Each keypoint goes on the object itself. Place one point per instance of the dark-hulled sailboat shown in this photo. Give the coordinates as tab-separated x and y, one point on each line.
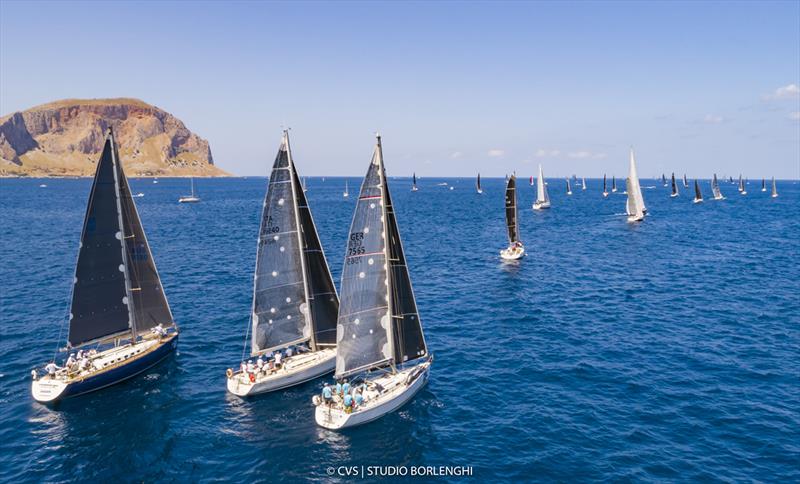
120	323
515	249
294	299
381	345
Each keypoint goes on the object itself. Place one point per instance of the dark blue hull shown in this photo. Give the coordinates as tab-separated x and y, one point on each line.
122	373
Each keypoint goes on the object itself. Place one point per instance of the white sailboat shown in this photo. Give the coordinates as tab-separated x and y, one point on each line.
542	197
569	188
120	323
763	184
381	345
674	187
774	189
742	189
715	189
190	198
698	196
515	249
478	185
346	190
294	300
613	184
635	207
305	185
685	181
583	183
605	187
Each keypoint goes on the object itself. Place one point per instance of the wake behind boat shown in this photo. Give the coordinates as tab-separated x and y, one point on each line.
515	249
293	316
542	198
381	346
120	322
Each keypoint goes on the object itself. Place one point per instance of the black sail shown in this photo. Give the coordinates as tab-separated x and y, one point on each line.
99	295
479	181
511	209
604	183
321	292
674	185
613	184
409	342
697	194
150	306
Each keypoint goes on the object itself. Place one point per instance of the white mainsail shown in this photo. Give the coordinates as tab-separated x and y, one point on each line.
632	206
774	188
541	188
634	183
715	188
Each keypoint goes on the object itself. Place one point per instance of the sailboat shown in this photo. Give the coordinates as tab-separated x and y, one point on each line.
730	180
515	248
742	189
763	184
613	184
605	189
294	300
774	189
414	183
346	190
542	198
583	183
635	206
674	187
663	180
305	185
190	198
381	345
685	181
715	189
530	182
118	305
478	185
569	188
698	196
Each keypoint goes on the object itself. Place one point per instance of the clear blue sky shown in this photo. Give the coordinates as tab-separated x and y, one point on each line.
454	88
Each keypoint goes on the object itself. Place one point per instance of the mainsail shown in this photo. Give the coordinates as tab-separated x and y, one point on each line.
674	186
632	206
378	322
478	183
605	186
634	183
117	291
541	188
511	210
280	313
697	194
414	181
663	179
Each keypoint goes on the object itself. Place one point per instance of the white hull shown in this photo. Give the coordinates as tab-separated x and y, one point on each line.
763	189
480	192
673	195
398	389
635	218
537	205
697	200
509	254
774	195
188	200
345	195
569	193
605	194
295	370
743	192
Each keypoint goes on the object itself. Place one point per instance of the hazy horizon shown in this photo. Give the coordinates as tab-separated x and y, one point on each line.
454	88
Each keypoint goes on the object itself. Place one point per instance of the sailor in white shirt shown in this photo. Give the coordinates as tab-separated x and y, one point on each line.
260	363
70	361
289	352
51	368
278	358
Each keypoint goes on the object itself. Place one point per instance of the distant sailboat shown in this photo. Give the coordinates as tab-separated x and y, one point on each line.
583	183
774	188
605	190
674	187
742	189
190	198
635	206
294	298
698	196
730	180
119	312
138	195
531	181
305	185
542	197
763	185
515	248
478	185
381	344
715	189
613	184
663	179
155	180
414	183
569	188
346	190
685	181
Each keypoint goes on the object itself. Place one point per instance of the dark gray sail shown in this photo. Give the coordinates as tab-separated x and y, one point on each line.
99	298
280	315
511	210
150	306
605	190
674	185
364	323
409	341
613	183
322	295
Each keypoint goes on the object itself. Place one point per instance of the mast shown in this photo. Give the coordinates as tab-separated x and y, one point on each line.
300	243
389	281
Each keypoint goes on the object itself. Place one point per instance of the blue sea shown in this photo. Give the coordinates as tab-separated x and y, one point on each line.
662	351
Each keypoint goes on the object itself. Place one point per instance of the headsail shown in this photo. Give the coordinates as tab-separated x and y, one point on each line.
280	313
511	209
541	188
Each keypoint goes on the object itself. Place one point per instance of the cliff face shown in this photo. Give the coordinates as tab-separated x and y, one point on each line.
64	138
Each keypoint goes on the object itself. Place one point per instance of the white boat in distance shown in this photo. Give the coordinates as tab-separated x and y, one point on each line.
515	249
583	183
190	198
542	197
381	345
613	184
698	196
569	188
294	299
605	186
414	183
774	189
346	190
742	189
715	189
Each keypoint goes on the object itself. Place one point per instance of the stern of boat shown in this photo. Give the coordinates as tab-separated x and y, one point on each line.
48	390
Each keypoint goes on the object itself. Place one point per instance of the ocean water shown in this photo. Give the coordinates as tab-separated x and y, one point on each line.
667	350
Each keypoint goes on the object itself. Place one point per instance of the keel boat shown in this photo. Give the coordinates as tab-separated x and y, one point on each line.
478	185
190	198
698	196
674	187
605	187
515	249
715	189
542	198
635	207
120	324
